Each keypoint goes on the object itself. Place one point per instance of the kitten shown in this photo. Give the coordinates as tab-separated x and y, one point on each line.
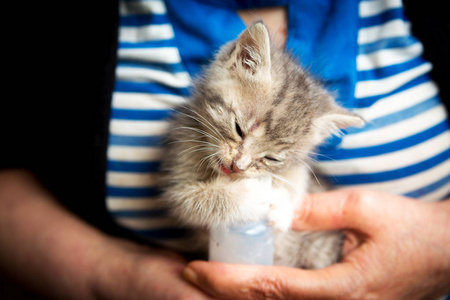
238	152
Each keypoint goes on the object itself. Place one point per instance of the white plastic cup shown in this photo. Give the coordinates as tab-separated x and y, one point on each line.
242	244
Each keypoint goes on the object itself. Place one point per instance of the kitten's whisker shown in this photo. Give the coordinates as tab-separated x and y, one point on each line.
196	119
317	162
212	164
291	185
187	150
195	141
209	125
200	131
218	161
310	169
331	173
309	153
193	151
202	161
206	120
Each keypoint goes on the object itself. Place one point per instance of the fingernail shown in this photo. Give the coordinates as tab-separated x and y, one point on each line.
190	275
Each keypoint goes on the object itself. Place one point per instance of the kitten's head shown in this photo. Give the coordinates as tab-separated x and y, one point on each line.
262	111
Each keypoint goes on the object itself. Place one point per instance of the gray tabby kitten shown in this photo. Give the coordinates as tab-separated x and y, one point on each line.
238	152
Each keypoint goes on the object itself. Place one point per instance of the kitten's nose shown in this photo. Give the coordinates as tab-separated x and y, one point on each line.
235	168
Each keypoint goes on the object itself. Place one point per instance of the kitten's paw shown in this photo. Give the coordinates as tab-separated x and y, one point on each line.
281	210
255	197
258	189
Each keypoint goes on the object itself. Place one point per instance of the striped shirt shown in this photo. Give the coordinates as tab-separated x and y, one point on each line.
404	148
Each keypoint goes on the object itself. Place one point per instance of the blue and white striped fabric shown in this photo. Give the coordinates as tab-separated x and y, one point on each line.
404	148
150	80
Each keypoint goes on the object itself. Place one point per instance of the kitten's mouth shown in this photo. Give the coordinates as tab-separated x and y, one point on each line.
225	169
233	169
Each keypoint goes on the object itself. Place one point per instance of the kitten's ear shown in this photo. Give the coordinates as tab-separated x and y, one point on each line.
333	121
252	52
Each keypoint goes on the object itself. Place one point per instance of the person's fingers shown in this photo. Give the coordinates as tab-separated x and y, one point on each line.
339	209
230	281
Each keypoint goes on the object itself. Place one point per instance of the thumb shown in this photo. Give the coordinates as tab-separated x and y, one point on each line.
247	282
339	209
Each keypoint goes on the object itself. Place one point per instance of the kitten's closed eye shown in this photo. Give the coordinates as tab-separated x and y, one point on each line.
272	159
239	130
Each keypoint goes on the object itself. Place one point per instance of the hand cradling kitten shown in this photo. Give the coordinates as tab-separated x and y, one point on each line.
238	151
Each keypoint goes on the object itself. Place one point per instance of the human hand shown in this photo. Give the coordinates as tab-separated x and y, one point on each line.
396	249
131	271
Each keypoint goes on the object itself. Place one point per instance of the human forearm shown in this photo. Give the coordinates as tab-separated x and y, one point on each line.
55	253
42	244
